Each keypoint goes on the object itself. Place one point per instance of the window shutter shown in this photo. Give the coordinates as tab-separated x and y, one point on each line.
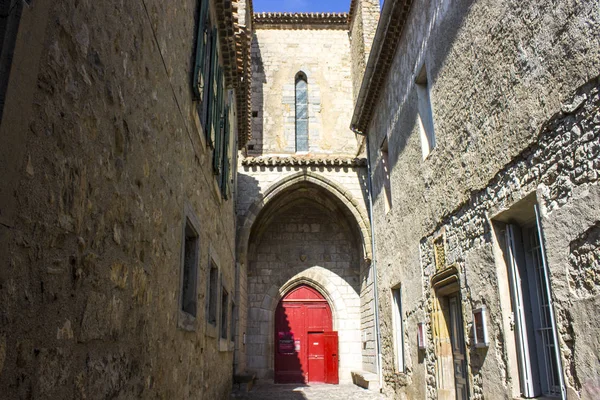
218	124
199	77
213	91
225	175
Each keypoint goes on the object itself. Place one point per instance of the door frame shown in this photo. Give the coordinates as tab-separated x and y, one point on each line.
305	303
446	284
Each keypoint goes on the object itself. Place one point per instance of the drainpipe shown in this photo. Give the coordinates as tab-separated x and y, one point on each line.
373	260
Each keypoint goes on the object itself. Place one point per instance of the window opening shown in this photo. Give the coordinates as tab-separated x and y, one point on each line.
535	329
301	112
398	327
386	170
425	113
190	269
224	310
212	294
232	319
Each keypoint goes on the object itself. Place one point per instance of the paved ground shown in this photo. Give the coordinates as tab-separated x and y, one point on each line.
269	391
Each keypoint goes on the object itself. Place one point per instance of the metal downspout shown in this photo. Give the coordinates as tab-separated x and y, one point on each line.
373	262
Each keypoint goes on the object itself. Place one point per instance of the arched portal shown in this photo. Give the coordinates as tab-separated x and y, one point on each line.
305	345
304	231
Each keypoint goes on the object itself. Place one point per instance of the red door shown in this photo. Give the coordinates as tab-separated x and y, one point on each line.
330	340
316	357
301	319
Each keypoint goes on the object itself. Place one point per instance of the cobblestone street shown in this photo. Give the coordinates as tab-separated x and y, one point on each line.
269	391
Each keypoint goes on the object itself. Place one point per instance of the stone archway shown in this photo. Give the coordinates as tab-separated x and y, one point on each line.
345	310
304	230
351	204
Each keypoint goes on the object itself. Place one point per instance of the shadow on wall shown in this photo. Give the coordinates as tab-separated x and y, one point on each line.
288	366
255	145
404	120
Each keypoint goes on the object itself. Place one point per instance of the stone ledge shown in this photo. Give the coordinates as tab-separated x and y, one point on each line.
284	20
305	160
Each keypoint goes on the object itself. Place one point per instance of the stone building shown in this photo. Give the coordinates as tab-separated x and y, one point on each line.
482	127
406	198
118	144
302	189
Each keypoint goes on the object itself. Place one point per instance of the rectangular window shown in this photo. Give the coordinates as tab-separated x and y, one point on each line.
398	328
190	268
535	329
224	310
213	282
385	168
232	319
425	113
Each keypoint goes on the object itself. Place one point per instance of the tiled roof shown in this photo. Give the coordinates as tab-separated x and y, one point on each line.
309	160
302	20
235	49
228	28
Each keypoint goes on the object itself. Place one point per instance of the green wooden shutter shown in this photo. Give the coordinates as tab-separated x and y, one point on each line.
199	77
225	175
218	124
210	135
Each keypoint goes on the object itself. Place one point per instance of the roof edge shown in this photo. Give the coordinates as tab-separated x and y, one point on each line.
389	31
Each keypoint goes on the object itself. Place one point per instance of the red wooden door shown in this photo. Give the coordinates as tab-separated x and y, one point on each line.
301	318
330	340
316	357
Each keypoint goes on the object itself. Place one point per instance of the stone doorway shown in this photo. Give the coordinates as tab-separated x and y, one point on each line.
303	324
305	235
448	336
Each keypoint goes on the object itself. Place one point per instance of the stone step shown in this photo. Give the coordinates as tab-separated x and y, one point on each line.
367	380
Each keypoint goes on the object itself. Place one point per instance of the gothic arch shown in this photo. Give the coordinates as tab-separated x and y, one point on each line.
344	307
332	188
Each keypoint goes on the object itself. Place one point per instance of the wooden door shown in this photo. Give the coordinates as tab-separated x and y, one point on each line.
290	359
301	319
458	348
331	357
316	357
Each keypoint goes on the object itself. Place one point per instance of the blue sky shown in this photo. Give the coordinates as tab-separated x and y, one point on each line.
301	5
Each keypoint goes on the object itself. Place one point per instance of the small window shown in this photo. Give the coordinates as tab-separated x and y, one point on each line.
385	168
190	269
212	293
224	310
301	112
398	328
254	114
232	319
425	113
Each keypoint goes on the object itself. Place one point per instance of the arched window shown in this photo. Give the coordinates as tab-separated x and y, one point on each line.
301	112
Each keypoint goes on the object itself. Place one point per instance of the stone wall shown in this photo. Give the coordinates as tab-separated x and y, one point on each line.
565	190
324	56
363	24
103	155
496	80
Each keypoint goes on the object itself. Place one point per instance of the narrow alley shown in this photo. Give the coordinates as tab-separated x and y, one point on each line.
267	390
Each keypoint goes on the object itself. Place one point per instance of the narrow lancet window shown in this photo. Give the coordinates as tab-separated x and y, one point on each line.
301	112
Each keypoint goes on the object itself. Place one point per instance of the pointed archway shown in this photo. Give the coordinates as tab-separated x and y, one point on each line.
304	230
303	324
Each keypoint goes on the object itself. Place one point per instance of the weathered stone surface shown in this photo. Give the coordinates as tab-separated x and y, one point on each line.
513	116
102	152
